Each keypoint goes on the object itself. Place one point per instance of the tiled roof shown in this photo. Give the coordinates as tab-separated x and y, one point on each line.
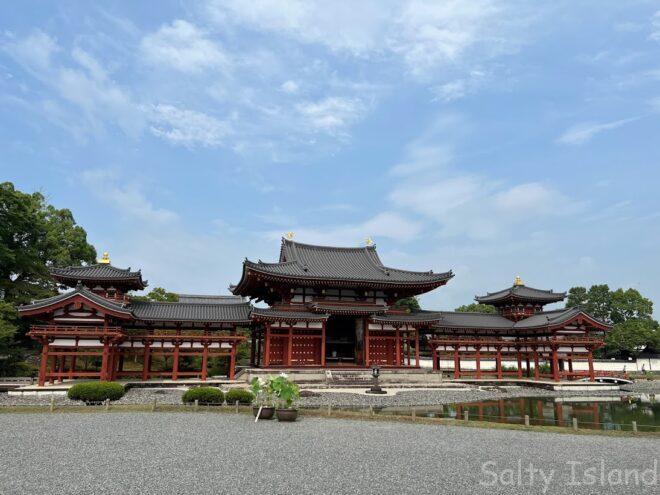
419	316
497	322
101	272
204	299
365	309
521	293
238	312
82	291
352	264
274	314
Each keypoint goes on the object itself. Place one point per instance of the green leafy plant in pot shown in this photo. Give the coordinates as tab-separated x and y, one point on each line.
262	405
287	393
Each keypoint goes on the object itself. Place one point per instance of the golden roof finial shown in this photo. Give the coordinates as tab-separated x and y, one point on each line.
518	281
105	259
369	241
289	235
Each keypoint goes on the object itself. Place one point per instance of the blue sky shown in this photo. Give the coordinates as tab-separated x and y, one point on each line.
492	138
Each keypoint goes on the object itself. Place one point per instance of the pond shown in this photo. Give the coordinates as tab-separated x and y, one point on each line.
605	413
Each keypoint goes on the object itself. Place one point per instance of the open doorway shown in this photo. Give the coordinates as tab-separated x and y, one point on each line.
342	342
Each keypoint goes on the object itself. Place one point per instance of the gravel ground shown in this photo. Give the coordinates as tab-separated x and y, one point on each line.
643	386
404	398
174	453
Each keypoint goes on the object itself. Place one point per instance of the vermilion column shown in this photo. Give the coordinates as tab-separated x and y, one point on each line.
43	366
366	345
477	361
398	347
537	371
519	356
175	364
457	363
417	347
105	360
590	359
555	365
146	363
289	349
205	359
323	345
527	367
498	362
267	347
434	355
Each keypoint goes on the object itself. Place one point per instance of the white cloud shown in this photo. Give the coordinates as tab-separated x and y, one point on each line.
332	114
390	225
426	34
459	88
584	132
187	127
83	82
184	47
655	26
128	199
290	87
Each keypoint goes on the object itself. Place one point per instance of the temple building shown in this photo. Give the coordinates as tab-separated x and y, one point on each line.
95	319
316	307
521	331
333	306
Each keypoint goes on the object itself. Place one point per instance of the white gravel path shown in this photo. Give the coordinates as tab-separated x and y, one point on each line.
209	453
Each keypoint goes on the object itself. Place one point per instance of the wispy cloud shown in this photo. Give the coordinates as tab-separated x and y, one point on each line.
187	127
585	131
332	114
183	47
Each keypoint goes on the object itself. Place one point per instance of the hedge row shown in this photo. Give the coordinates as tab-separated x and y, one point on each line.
96	391
213	395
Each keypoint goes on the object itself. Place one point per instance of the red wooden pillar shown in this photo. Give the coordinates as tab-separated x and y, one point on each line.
457	363
417	347
555	364
570	364
498	362
398	347
323	345
175	361
267	347
434	356
590	359
477	360
105	361
367	361
146	361
519	357
289	349
205	360
53	369
537	371
43	366
232	361
527	367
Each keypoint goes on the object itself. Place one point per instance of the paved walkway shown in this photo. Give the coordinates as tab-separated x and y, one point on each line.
176	453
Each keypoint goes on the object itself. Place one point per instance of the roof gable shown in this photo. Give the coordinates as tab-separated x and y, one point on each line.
101	272
521	293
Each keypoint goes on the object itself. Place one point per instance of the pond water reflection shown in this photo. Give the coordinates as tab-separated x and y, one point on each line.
606	413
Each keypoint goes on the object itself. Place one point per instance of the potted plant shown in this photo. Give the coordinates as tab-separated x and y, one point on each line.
262	405
287	393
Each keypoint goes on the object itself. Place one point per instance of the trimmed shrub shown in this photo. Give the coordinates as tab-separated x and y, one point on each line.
240	395
96	391
205	395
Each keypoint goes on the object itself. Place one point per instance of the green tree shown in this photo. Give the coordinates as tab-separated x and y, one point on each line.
409	303
629	304
33	236
476	308
631	337
597	301
9	351
158	294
